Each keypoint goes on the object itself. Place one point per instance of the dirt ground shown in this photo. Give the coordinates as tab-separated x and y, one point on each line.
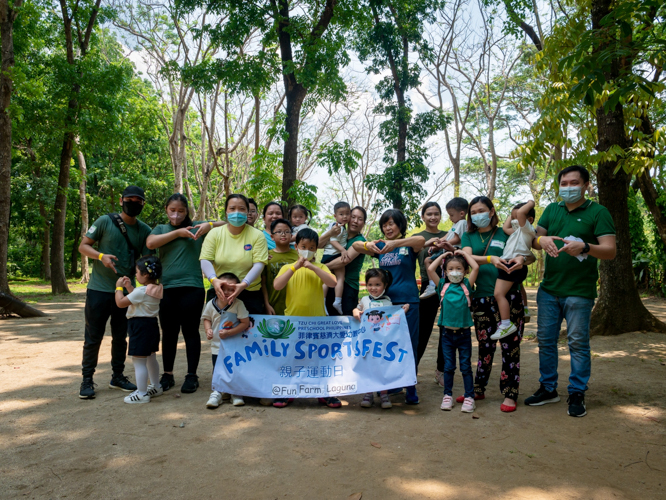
54	445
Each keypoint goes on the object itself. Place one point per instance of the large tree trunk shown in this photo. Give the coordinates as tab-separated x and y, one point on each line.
85	275
45	268
58	277
651	197
74	256
295	98
619	308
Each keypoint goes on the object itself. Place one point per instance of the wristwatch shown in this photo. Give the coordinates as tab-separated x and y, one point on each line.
586	248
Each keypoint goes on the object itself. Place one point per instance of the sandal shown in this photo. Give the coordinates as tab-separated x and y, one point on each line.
330	402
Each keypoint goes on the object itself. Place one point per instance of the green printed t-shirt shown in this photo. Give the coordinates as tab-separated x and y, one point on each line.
111	241
455	310
485	281
565	275
236	254
180	258
353	269
424	252
278	298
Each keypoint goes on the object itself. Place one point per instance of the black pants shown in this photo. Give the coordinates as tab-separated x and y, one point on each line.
349	301
253	301
427	318
100	306
181	308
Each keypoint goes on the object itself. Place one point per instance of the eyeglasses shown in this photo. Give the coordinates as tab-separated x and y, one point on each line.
282	233
253	212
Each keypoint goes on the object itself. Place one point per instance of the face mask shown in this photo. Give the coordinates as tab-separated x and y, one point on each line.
132	208
306	254
570	194
176	218
481	220
237	219
375	298
455	276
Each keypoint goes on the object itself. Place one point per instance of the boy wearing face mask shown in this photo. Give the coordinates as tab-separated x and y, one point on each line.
121	241
303	281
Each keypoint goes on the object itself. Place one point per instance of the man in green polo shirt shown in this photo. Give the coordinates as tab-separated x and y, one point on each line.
112	258
575	233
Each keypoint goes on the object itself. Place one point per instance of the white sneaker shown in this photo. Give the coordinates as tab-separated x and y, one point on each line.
468	405
504	332
386	402
214	400
367	400
136	398
447	403
338	307
428	292
153	391
237	400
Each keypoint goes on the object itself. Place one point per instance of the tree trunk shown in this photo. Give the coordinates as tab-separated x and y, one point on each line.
257	104
295	98
619	308
651	197
85	275
74	256
45	268
58	278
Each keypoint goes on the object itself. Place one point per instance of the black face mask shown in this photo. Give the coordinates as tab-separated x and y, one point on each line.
132	208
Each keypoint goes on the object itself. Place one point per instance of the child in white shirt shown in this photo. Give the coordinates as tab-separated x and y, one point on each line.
298	217
223	320
519	227
336	247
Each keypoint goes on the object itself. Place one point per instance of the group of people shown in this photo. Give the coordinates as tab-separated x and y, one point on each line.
471	276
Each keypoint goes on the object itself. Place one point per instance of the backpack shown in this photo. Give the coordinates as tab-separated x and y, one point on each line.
446	287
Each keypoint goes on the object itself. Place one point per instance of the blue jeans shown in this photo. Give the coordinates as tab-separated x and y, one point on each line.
460	341
577	312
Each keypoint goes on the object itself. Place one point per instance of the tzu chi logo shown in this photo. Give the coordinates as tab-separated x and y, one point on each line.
276	328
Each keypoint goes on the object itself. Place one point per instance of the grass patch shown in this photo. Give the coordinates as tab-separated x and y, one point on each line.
34	290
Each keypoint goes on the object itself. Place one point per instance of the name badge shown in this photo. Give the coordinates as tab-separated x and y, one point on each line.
497	243
403	251
248	247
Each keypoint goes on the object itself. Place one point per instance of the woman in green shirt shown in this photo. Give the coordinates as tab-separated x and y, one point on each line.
178	245
485	242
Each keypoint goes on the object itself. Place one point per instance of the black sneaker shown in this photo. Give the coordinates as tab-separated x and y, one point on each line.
121	382
576	404
191	383
167	381
87	390
542	397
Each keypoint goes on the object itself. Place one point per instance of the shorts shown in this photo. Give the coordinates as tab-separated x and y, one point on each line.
144	336
325	259
514	277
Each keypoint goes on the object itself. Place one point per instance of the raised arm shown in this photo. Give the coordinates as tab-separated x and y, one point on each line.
474	266
324	274
432	268
159	240
523	211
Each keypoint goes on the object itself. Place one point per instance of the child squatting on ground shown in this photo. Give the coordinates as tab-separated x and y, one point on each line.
142	326
305	295
336	247
377	282
457	210
519	227
456	319
221	321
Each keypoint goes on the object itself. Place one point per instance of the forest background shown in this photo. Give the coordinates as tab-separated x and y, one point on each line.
376	102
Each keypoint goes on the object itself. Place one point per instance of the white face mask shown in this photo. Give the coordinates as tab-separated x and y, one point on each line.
306	254
455	276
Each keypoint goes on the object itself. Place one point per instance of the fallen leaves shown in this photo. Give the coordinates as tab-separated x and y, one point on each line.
376	445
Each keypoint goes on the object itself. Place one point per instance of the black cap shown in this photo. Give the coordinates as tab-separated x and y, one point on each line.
134	191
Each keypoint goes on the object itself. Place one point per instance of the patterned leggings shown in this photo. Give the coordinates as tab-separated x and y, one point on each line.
486	318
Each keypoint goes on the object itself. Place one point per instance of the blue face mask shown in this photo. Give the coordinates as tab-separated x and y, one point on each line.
481	220
570	194
237	219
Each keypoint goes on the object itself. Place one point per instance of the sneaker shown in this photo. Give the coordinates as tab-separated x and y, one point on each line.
447	403
330	402
439	378
428	292
214	400
237	400
504	332
477	397
576	405
368	400
526	316
87	390
167	381
542	397
191	384
280	403
154	392
386	402
468	405
411	398
136	398
122	383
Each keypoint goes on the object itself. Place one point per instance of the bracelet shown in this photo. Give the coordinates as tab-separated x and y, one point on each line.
100	256
293	269
212	279
539	239
365	245
211	223
119	288
488	259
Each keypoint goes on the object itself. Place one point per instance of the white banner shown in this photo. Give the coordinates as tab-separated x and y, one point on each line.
314	357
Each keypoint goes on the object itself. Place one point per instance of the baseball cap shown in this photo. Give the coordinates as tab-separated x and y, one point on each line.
134	191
